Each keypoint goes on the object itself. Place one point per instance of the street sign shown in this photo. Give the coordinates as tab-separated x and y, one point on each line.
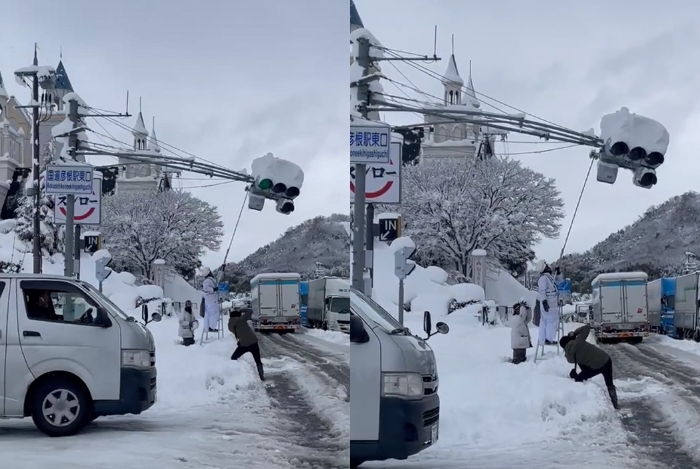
92	243
63	179
382	181
369	144
224	287
389	229
87	209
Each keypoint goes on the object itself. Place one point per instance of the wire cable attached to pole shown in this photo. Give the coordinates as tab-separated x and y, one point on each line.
561	254
223	266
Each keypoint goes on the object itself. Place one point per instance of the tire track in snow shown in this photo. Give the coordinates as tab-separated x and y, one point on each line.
320	445
652	429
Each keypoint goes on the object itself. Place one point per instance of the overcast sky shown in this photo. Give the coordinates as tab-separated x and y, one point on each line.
229	81
571	63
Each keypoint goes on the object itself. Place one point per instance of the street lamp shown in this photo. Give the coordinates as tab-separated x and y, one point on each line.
43	76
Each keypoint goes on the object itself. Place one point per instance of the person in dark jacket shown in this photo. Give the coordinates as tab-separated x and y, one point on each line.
591	359
247	340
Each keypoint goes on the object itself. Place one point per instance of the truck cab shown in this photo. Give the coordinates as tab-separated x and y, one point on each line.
394	406
329	304
68	354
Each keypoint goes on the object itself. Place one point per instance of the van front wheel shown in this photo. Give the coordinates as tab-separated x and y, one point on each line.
59	407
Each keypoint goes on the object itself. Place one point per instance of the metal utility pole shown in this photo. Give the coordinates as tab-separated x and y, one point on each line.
70	199
36	235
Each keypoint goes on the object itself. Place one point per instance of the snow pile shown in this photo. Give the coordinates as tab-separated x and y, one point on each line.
425	289
196	375
505	290
634	130
487	402
335	337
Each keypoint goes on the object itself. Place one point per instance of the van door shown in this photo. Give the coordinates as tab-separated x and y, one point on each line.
268	298
4	308
60	329
365	385
289	298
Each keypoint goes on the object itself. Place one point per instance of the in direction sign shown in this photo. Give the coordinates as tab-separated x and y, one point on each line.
382	181
87	209
369	143
68	179
388	229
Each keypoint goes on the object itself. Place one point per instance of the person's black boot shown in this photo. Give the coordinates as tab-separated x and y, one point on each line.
613	396
261	373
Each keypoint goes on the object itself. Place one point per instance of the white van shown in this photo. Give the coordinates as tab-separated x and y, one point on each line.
394	405
69	355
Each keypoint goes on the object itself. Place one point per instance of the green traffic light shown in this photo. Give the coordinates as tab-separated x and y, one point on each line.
265	184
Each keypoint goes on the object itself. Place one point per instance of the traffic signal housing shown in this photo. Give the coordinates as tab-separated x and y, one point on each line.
102	270
403	265
276	179
633	142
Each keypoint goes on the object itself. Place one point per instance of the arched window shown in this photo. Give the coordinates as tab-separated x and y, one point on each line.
451	97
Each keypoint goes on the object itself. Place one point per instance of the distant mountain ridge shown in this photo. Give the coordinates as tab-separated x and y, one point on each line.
656	244
321	239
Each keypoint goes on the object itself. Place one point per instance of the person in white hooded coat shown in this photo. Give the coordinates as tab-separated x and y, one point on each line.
519	331
211	301
549	307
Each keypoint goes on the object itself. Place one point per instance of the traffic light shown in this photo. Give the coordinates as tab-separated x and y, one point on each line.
102	270
633	142
275	179
403	265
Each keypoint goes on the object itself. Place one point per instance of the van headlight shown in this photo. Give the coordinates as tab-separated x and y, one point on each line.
140	358
407	385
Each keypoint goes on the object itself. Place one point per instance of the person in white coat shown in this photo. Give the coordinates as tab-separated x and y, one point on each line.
211	301
519	332
549	307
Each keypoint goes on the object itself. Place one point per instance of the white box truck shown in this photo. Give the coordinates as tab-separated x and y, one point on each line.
620	309
68	354
685	317
395	408
275	302
329	304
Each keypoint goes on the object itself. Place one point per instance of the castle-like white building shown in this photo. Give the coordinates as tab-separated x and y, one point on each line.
16	148
460	139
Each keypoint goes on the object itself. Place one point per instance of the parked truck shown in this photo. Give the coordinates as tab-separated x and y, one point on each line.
661	295
620	309
329	304
275	302
685	318
68	354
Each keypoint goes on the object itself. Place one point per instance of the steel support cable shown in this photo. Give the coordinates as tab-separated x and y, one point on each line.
566	240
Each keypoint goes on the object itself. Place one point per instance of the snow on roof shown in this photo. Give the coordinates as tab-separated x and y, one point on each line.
276	275
62	80
479	252
2	88
140	127
159	261
154	141
609	277
451	75
355	20
90	233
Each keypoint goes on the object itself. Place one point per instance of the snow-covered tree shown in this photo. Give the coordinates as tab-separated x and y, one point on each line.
452	207
174	226
50	241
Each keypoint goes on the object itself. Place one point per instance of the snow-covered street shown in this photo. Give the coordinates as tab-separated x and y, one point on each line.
494	414
214	412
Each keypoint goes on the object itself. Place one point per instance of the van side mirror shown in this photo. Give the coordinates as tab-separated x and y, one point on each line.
442	328
358	334
427	323
156	317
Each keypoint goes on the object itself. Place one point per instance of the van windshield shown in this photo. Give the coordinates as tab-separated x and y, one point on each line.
371	311
114	309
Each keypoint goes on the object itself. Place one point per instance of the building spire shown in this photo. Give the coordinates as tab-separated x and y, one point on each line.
154	140
3	93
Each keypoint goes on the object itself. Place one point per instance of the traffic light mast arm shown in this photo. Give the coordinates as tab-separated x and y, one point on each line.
505	122
174	162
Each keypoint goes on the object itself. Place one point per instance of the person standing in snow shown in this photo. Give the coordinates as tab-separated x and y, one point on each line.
519	332
591	359
186	325
211	301
246	338
549	307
